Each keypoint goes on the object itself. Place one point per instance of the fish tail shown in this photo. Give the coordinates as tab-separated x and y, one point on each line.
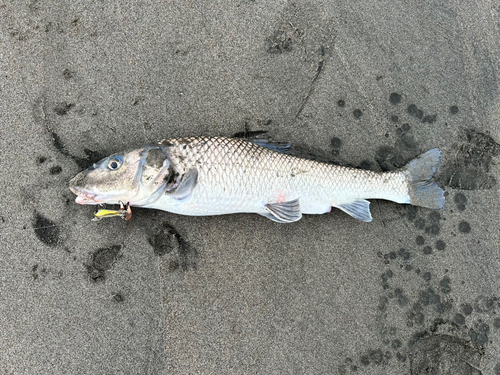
421	190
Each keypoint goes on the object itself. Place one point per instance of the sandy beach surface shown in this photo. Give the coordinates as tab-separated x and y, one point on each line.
364	84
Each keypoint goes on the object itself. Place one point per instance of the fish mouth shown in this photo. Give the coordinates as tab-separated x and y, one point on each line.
84	196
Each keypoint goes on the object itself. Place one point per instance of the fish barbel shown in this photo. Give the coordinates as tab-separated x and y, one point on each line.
215	176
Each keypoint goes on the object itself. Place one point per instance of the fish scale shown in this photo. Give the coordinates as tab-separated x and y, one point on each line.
240	176
217	175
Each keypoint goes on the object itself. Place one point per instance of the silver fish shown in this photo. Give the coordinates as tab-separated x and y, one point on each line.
216	176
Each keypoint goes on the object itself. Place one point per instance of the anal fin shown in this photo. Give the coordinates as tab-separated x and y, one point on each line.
358	209
285	212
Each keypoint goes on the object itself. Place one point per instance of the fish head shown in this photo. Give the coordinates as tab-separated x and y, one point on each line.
111	180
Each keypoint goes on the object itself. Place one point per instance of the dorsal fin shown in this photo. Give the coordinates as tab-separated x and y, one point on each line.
281	147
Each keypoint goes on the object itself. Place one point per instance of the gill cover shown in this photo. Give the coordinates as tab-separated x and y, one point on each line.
159	175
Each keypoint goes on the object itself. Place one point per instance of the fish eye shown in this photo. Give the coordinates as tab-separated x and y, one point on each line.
115	162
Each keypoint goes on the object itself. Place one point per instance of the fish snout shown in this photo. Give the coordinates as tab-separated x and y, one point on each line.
76	182
76	186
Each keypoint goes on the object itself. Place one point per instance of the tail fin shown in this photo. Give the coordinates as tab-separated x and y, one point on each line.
421	190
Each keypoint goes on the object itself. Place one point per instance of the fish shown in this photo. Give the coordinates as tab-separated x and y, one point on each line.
204	176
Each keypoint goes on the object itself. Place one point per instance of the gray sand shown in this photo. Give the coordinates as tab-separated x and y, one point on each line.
362	84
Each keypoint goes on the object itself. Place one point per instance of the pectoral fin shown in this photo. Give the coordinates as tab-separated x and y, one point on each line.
187	183
286	212
358	209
